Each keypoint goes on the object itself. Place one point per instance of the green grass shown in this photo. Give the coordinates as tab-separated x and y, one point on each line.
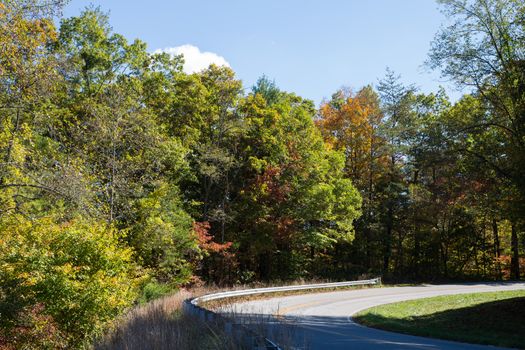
154	290
485	318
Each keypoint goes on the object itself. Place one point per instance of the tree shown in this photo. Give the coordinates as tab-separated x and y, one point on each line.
292	189
484	49
110	124
397	102
267	89
161	236
350	123
27	81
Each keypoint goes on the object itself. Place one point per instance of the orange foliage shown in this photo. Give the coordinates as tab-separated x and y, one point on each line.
285	228
349	123
504	261
205	240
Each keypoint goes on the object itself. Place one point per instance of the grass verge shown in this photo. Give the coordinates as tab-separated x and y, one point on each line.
496	318
161	325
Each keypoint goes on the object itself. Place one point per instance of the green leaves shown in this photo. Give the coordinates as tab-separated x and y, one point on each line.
296	193
97	56
162	236
76	272
116	164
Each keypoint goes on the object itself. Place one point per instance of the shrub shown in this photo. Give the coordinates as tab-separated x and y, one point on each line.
154	290
72	278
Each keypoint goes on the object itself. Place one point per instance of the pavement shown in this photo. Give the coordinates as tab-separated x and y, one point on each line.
323	320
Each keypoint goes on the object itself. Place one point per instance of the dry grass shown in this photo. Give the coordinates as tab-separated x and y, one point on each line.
161	325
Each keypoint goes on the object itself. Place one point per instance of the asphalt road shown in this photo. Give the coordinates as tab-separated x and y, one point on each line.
323	320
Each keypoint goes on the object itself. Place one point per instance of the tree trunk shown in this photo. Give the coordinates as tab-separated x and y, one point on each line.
400	258
514	262
444	259
497	249
388	246
417	253
417	244
265	259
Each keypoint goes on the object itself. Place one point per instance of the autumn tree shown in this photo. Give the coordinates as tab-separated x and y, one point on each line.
350	123
65	274
294	190
27	82
483	49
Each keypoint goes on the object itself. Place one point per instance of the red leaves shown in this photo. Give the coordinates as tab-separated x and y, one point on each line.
270	182
285	228
205	239
36	328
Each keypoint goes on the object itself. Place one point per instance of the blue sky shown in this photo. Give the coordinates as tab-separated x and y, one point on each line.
309	47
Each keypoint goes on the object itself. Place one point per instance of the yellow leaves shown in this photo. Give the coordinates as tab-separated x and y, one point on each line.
263	189
66	269
75	266
31	279
24	62
258	164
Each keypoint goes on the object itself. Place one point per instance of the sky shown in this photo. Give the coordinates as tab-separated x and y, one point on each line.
308	47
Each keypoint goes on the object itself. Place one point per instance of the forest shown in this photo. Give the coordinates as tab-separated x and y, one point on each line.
123	177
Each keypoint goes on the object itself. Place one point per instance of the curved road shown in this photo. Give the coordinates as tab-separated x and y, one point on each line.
323	320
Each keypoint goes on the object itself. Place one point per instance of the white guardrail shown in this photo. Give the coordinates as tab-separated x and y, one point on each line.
245	335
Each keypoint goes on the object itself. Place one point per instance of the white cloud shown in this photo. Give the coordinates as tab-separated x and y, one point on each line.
194	59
